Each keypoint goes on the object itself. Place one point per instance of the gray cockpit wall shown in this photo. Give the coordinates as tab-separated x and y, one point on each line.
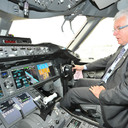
95	10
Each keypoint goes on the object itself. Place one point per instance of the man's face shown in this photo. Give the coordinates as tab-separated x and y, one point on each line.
121	34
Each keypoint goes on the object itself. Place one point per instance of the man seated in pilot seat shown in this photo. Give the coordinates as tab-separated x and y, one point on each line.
111	91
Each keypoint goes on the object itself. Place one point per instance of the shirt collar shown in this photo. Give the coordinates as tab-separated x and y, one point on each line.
126	47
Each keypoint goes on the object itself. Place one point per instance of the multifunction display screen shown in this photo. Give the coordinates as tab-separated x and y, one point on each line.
1	92
25	76
25	101
8	111
45	70
11	113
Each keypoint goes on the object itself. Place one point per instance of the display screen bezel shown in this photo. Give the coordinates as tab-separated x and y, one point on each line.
45	70
22	78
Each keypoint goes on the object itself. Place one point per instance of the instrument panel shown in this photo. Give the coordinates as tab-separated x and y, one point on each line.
49	5
17	107
8	111
31	86
17	90
20	51
25	76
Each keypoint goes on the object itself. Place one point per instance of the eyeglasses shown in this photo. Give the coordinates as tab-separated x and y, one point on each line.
119	28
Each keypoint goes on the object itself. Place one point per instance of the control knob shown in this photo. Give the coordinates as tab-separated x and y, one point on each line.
57	121
8	84
51	126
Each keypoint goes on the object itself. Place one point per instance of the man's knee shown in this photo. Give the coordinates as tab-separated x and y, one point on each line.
69	94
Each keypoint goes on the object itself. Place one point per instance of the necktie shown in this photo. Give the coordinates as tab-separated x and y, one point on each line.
120	54
111	68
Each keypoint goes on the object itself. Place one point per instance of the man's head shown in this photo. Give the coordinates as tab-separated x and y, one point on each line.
121	27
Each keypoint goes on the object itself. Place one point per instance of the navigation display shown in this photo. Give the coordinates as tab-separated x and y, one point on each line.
45	70
8	111
1	92
25	76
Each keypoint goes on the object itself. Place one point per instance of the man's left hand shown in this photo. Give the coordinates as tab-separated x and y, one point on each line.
96	90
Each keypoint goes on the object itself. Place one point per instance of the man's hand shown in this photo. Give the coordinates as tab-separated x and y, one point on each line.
78	67
96	90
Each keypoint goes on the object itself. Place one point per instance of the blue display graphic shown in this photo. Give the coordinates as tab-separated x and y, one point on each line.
4	74
45	70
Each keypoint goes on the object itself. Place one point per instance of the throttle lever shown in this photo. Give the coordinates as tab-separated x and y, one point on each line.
73	65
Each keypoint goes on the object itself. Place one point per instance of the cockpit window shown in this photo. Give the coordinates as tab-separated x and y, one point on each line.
100	43
48	29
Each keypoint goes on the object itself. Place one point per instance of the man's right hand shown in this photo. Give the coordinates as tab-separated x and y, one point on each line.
78	67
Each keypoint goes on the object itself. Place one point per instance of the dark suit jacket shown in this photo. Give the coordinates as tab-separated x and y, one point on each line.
114	100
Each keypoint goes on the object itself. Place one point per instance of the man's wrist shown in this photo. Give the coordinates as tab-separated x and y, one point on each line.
85	67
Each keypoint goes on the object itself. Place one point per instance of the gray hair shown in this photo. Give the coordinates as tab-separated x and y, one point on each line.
121	13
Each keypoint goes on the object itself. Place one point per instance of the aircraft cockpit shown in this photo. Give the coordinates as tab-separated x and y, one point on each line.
34	77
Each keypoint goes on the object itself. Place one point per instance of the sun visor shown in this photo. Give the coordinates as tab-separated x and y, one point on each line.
122	4
104	3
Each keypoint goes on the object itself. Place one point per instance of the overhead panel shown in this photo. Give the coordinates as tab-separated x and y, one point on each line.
104	3
47	5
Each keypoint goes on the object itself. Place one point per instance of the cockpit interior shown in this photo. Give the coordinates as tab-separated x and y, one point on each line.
35	77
